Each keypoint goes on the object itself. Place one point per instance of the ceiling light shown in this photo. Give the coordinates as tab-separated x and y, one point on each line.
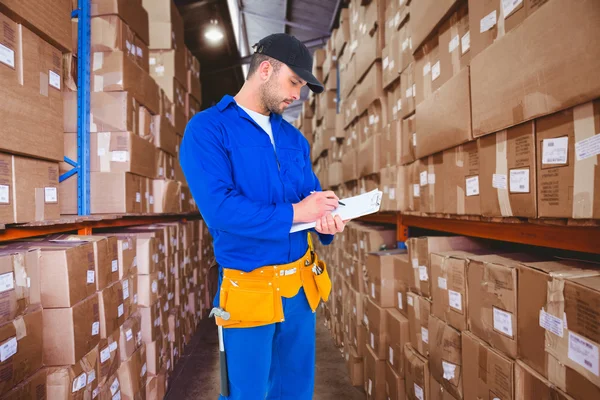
213	34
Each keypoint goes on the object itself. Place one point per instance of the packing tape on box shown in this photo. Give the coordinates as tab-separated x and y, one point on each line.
104	153
21	278
456	53
584	170
502	169
44	82
460	190
431	184
98	61
20	328
555	305
93	125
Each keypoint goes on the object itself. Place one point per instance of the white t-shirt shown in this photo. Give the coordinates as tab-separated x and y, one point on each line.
264	121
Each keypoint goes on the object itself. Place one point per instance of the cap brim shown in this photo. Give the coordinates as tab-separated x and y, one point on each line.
312	82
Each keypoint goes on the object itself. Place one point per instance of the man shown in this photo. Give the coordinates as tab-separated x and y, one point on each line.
251	175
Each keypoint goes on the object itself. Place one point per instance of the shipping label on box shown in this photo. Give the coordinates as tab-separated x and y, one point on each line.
445	356
417	375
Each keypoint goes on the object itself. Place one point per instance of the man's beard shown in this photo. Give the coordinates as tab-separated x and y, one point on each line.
268	95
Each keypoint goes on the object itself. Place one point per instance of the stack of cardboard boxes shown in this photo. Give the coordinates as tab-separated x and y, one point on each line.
32	41
99	315
453	318
139	111
470	128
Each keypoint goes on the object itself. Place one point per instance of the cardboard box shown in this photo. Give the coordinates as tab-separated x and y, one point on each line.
408	141
154	357
371	36
32	192
109	112
370	88
30	77
132	374
529	384
445	356
507	93
161	14
150	288
7	215
426	16
408	90
431	180
404	276
116	72
444	118
126	254
405	53
438	392
398	335
417	375
414	186
22	341
21	271
454	35
390	55
112	311
418	317
150	323
376	324
369	156
115	192
381	277
110	358
508	178
395	383
110	33
461	167
375	378
168	63
565	150
75	381
356	368
348	78
167	196
132	13
30	388
419	250
70	333
486	372
192	106
50	20
427	69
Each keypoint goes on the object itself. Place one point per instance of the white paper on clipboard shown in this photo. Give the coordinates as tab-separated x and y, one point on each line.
357	206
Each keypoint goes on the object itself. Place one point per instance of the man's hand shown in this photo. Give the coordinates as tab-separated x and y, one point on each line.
329	225
315	206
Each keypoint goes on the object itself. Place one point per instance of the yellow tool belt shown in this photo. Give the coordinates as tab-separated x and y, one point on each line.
254	298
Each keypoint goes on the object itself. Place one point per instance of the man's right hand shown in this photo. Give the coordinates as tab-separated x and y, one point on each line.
315	206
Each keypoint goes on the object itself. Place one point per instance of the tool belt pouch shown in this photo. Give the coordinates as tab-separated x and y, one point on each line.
323	281
249	303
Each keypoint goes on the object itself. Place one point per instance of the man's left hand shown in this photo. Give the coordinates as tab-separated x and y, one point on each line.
328	225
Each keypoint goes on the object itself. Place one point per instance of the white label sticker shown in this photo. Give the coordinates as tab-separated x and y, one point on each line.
487	22
391	355
138	198
423	178
144	369
418	392
499	181
120	310
400	305
509	6
503	322
91	376
134	263
152	61
366	320
7	56
587	148
519	180
425	335
119	156
455	300
54	79
114	265
409	300
449	370
8	349
50	195
415	263
392	65
473	186
416	190
465	42
551	323
426	69
373	290
114	387
104	355
135	299
454	43
414	139
372	341
79	382
423	273
129	335
7	282
555	151
414	90
139	52
91	276
117	396
125	289
442	283
113	347
4	194
435	71
95	393
584	353
125	245
405	44
408	92
370	390
392	193
386	62
431	179
151	199
95	328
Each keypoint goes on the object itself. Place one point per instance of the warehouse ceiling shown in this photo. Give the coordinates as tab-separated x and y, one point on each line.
245	22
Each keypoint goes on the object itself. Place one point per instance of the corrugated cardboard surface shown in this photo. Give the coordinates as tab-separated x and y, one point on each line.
110	358
31	387
529	384
7	215
374	376
425	58
26	358
111	309
110	33
115	192
426	16
109	112
438	392
445	356
431	180
377	330
133	373
76	381
462	188
507	174
454	34
398	336
419	309
19	297
417	374
444	118
168	63
408	140
131	12
408	90
395	383
404	276
381	277
370	88
567	166
52	20
486	372
70	333
505	91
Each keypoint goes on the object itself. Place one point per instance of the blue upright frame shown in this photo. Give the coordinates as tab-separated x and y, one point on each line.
82	166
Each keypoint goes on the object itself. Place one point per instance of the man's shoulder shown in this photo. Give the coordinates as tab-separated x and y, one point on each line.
206	120
294	133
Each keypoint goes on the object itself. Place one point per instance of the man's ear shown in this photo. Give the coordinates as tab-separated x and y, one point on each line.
265	69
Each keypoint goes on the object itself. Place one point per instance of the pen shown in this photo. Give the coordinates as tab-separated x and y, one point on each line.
339	202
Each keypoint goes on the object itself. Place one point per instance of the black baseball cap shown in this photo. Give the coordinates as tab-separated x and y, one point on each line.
293	53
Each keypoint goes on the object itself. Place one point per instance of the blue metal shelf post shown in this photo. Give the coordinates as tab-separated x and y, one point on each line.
81	167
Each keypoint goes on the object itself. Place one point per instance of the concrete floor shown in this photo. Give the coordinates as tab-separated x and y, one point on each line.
197	374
